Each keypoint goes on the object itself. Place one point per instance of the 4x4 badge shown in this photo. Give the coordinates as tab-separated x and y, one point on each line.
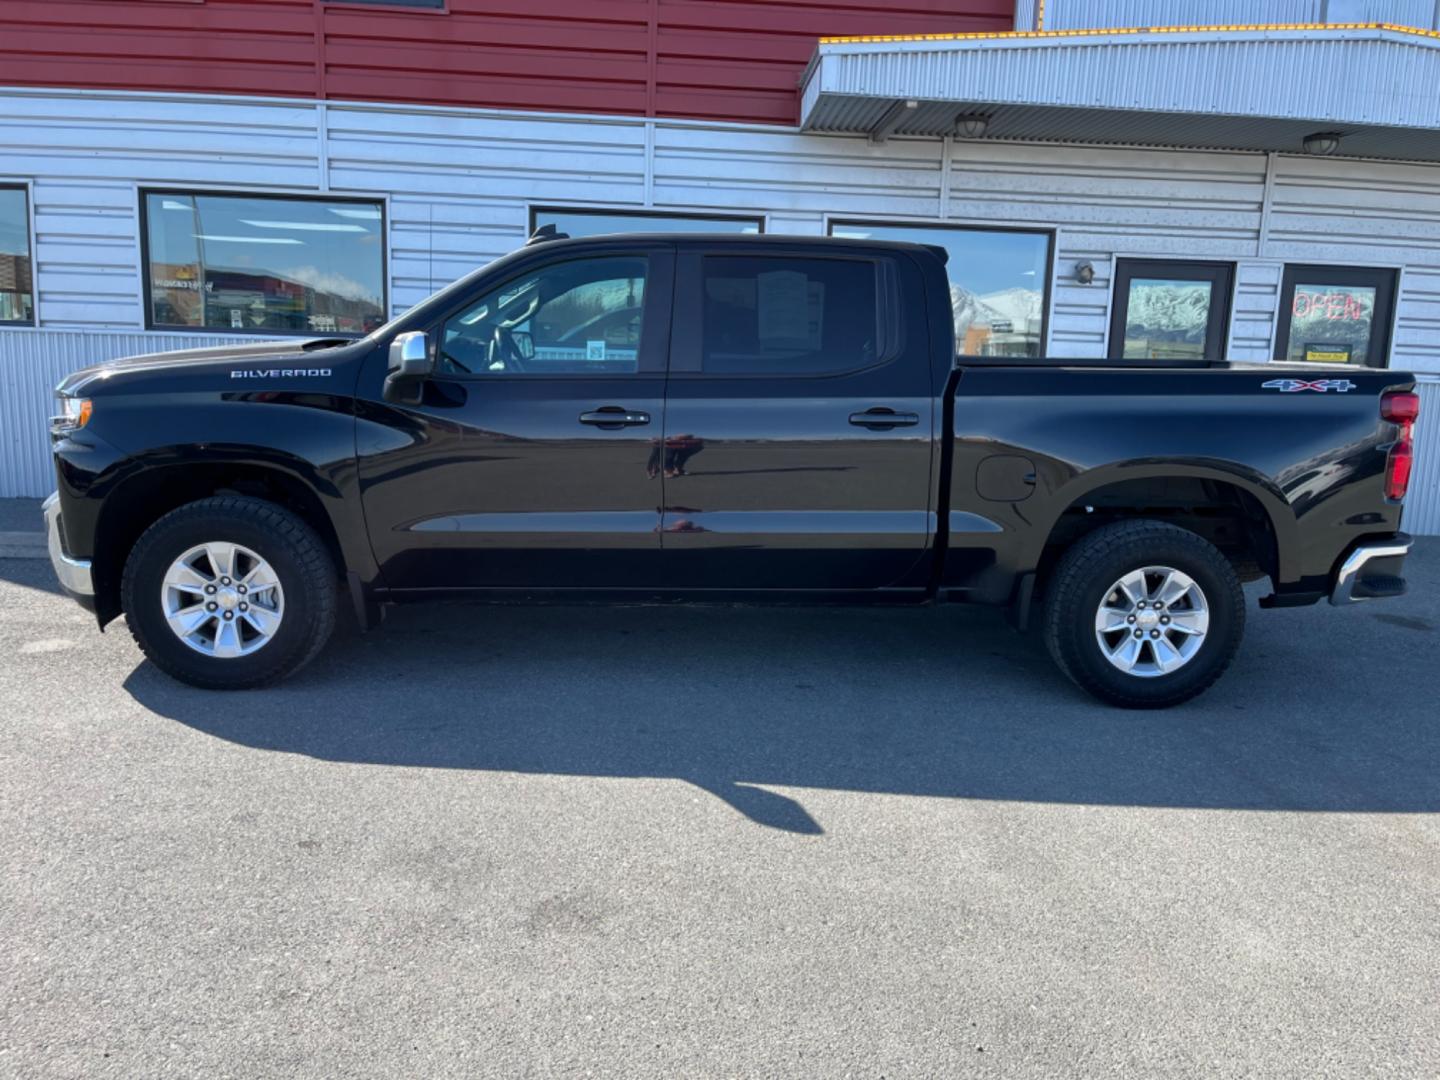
1294	386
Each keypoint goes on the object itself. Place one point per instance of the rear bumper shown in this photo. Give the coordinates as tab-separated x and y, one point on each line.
74	574
1371	571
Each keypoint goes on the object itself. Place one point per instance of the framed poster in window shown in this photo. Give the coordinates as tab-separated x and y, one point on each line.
1170	310
1336	315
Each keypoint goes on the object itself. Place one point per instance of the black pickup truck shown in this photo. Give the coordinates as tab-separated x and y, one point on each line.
689	417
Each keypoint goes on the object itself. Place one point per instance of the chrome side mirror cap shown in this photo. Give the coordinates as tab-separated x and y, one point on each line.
410	356
409	366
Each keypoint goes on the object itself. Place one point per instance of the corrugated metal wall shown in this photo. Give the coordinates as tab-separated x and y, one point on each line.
1362	213
31	363
85	156
1109	201
1422	507
460	183
1090	14
720	59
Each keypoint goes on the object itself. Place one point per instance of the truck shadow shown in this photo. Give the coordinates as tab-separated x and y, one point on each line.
946	703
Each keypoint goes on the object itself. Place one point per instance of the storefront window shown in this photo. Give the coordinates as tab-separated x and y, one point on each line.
17	290
1170	310
576	223
1335	315
264	265
998	282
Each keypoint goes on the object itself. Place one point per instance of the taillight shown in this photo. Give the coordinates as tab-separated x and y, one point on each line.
1397	469
1400	408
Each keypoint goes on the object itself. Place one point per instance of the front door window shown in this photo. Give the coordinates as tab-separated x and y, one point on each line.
576	318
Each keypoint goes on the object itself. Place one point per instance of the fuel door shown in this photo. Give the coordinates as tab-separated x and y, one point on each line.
1005	478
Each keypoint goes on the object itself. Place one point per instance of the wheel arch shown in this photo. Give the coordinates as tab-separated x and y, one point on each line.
150	489
1204	496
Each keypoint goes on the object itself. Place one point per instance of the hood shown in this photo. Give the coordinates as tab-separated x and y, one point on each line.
295	356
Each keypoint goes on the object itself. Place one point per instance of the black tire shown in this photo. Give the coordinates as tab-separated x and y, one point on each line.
1086	573
294	551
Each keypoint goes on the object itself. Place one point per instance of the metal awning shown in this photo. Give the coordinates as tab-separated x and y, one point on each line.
1249	88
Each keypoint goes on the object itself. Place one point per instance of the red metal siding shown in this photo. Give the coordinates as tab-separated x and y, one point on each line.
716	59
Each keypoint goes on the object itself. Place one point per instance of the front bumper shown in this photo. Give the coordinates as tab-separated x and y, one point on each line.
1371	571
74	574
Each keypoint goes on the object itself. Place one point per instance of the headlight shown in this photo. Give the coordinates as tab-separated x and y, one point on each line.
74	414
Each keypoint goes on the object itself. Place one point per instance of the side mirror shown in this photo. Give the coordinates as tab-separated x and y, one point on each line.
524	343
410	356
410	365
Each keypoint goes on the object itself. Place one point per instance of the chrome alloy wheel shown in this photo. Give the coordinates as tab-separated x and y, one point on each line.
1152	621
222	600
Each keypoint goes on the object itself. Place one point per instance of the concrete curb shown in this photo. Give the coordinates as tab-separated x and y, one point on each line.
22	545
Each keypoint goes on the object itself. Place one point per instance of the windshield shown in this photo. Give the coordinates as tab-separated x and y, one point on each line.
440	298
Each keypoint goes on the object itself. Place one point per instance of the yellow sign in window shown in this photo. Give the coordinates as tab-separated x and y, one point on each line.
1328	354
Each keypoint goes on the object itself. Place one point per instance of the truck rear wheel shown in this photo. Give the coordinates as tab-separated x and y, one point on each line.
1144	614
229	592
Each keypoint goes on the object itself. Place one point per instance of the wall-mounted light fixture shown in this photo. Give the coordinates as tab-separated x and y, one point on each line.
972	126
1084	272
1322	143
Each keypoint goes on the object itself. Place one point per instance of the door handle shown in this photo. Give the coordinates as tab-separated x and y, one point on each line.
614	417
883	419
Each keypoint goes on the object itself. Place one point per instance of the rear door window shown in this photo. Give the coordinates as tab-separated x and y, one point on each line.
776	315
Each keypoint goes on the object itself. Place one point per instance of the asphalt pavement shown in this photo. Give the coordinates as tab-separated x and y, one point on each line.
719	841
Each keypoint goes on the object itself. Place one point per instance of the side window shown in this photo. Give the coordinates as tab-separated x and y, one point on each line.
773	315
1170	310
17	292
1335	315
581	317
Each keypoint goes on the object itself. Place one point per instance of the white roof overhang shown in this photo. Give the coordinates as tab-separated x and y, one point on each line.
1249	88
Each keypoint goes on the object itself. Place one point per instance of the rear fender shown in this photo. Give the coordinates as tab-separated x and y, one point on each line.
1277	509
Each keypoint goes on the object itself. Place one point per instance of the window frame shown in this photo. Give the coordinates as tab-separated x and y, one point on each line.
654	326
656	216
1384	279
144	193
424	7
687	353
26	189
1217	324
1048	290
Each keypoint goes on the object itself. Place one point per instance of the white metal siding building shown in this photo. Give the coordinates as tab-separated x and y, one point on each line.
458	187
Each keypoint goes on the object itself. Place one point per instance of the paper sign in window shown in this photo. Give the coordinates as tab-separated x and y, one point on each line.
789	309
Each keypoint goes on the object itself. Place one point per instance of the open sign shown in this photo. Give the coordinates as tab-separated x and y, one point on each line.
1335	305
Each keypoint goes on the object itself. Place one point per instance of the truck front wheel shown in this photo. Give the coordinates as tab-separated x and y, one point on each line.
229	592
1144	614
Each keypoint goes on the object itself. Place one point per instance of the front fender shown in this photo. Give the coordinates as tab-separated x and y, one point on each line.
174	448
